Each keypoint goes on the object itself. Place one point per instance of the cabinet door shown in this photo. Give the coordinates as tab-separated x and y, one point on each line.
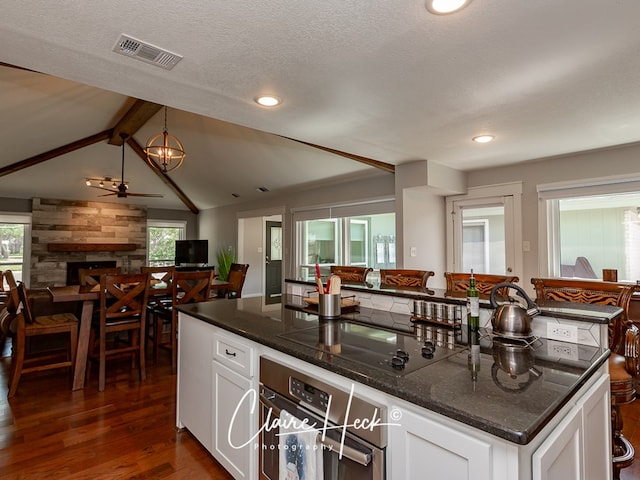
229	389
423	448
195	351
560	457
596	419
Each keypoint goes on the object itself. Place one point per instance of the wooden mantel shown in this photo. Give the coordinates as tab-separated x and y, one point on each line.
91	247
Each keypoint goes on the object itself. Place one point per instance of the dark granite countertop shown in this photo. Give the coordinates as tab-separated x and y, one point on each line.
602	314
513	408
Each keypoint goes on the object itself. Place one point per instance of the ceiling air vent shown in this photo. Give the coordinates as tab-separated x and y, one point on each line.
145	52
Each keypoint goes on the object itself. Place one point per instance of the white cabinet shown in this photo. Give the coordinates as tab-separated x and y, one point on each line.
561	456
215	371
574	446
195	350
234	406
596	419
424	448
574	450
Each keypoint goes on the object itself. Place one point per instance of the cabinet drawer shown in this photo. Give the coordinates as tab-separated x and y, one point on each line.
234	353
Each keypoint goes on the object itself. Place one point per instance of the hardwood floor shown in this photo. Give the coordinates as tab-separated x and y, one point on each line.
631	430
126	432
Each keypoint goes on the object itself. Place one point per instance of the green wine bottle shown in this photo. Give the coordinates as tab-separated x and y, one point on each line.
473	308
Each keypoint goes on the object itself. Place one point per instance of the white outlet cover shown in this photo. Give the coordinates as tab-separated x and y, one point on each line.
562	332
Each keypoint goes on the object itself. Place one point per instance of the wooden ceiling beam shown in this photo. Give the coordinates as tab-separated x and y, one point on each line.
56	152
136	147
387	167
133	120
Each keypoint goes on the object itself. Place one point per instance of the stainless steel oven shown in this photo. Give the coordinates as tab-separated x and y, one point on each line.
350	449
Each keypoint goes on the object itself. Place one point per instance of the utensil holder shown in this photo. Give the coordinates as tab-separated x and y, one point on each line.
329	306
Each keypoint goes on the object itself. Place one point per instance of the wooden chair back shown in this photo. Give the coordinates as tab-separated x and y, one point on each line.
191	287
590	292
25	304
10	309
391	278
459	282
162	274
350	274
91	276
123	296
236	277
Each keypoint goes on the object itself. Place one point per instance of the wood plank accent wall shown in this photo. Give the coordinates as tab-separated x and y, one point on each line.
81	222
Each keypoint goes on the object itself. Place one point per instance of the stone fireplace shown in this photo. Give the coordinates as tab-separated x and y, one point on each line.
78	231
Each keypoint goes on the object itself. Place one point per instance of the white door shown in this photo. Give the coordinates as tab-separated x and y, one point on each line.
484	232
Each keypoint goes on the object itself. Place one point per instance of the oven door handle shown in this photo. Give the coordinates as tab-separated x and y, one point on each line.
352	454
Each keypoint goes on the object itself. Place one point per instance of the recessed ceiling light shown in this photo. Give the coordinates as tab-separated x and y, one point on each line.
268	101
483	138
444	7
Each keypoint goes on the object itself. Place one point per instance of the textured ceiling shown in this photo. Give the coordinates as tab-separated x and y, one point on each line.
380	79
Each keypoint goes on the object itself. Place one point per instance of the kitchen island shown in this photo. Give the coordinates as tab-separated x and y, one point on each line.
501	415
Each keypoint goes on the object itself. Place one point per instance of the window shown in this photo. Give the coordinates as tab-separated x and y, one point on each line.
366	240
589	233
15	245
161	241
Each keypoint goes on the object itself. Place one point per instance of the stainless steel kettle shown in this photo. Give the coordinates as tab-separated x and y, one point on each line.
512	320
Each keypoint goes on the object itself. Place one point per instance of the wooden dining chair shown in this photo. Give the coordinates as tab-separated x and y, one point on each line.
188	287
123	309
236	277
159	301
459	282
30	326
398	278
351	275
91	276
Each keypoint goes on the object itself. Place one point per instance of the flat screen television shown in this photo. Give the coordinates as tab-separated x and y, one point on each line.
192	251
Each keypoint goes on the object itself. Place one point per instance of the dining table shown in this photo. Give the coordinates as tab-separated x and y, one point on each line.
87	294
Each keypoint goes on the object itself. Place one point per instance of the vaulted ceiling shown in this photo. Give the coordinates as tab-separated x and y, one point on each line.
382	80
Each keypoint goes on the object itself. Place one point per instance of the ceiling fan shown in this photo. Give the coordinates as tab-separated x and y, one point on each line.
121	191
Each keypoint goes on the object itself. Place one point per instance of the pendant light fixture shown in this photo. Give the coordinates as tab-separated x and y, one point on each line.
165	151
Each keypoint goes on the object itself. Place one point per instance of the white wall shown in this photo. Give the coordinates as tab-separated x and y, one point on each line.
424	225
251	234
578	166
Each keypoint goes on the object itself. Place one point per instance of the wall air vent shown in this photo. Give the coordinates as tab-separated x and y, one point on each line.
145	52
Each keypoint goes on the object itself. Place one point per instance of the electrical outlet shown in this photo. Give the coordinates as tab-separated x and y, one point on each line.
562	332
564	350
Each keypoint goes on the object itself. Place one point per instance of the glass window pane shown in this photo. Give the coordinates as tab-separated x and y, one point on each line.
162	244
483	240
12	248
600	232
367	240
321	242
358	242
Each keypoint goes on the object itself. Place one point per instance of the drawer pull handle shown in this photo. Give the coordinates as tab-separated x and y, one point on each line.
231	354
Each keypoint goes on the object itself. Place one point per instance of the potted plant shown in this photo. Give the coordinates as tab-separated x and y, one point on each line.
226	256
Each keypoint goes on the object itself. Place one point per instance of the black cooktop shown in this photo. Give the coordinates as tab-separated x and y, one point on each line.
394	352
